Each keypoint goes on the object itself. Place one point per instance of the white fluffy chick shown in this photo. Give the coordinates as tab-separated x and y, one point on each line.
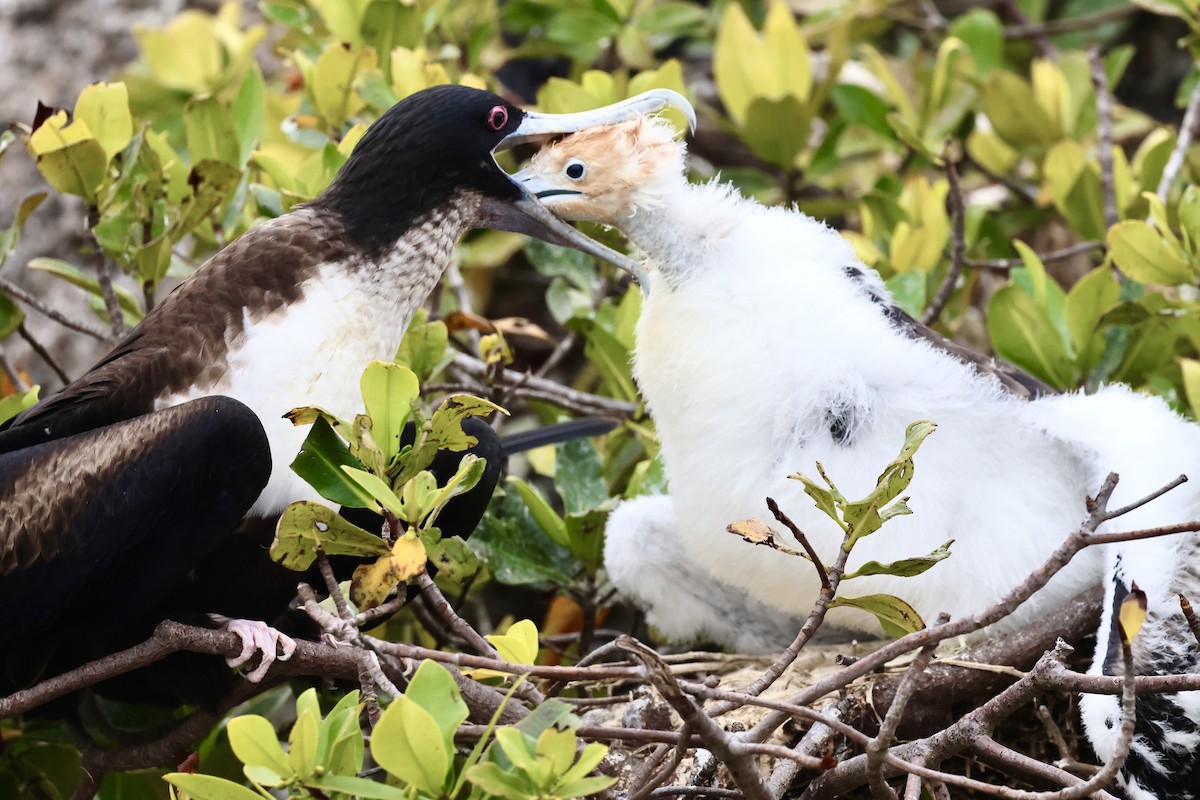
765	346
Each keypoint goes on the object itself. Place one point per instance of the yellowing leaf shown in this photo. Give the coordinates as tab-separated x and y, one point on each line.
408	556
748	66
1132	614
304	526
185	54
104	108
787	53
896	617
373	583
331	86
256	744
518	645
1142	254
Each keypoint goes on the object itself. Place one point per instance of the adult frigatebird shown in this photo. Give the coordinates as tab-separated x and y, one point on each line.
114	490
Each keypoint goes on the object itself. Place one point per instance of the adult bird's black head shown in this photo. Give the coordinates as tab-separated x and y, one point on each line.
435	147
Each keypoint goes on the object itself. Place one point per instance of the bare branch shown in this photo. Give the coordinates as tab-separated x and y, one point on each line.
799	536
741	767
1104	129
42	353
10	288
1188	130
547	390
1046	258
958	248
878	747
1186	607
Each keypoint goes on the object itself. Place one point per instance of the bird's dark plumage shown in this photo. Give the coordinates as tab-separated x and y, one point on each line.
114	490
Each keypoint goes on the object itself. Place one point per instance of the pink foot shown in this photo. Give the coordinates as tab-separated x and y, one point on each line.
257	637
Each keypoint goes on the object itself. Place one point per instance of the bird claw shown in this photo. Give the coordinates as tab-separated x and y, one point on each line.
259	637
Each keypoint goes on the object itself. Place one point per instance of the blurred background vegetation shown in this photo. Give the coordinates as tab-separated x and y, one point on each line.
1014	169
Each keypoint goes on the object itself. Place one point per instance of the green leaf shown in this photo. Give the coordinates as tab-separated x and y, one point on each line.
495	782
905	567
910	291
777	128
1089	299
408	744
377	488
579	476
388	391
545	516
320	463
210	132
11	316
580	27
388	24
256	744
304	526
434	689
585	537
672	18
78	169
610	356
516	550
862	107
249	113
1143	255
209	787
16	403
423	348
1003	94
77	277
359	788
896	617
1023	334
983	33
302	743
340	741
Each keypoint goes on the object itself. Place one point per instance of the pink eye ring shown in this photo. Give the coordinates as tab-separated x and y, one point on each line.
497	117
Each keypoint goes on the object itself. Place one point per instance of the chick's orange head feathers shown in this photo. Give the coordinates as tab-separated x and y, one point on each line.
605	174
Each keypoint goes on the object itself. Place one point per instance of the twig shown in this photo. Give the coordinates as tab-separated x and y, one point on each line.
977	724
369	664
689	791
457	624
740	765
10	288
1046	258
42	353
1186	607
646	789
996	754
1104	129
1030	30
18	382
789	655
878	747
1078	540
1188	130
543	389
1157	493
116	317
1080	23
958	244
799	536
458	287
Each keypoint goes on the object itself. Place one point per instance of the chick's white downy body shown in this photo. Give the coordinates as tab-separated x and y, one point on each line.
765	346
759	356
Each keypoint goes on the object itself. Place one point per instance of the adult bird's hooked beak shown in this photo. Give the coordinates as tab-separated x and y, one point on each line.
528	216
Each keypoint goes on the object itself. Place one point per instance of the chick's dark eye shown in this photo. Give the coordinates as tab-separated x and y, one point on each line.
576	170
497	117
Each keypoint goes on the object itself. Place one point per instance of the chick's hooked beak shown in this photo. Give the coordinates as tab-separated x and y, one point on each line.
528	216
